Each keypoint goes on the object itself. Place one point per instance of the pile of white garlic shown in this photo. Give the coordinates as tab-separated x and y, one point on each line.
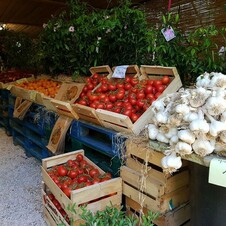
191	120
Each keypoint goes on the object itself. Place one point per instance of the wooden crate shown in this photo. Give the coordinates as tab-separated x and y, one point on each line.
176	217
145	182
98	196
123	123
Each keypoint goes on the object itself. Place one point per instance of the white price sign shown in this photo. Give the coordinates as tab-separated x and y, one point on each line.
217	172
120	71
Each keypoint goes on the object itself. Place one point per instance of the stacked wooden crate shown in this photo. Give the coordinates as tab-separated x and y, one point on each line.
147	188
95	197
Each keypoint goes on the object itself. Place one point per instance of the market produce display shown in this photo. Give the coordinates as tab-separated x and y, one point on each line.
45	86
129	96
191	120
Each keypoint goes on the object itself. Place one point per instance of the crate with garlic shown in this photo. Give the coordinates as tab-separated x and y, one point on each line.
191	121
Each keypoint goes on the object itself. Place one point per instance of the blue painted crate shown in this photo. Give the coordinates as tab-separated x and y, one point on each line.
12	100
32	149
105	140
4	122
18	139
105	162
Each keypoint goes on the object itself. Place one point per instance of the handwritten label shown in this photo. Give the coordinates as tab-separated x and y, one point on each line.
168	33
120	71
217	172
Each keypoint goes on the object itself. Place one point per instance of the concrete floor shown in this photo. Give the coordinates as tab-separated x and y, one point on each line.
20	186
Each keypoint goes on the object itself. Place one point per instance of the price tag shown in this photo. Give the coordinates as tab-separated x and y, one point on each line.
217	172
168	33
120	71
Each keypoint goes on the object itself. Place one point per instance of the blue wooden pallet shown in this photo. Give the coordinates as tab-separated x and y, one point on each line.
104	140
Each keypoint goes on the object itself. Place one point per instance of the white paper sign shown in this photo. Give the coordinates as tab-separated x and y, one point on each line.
217	172
168	33
120	71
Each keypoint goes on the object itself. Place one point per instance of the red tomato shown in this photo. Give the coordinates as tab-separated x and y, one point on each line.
157	82
134	81
134	117
57	204
140	103
73	174
148	89
117	109
62	171
93	97
82	102
127	105
93	105
140	95
120	85
118	104
112	97
132	101
102	96
127	86
94	173
90	86
95	76
104	87
112	87
150	96
83	164
51	196
149	82
82	178
165	80
96	180
67	191
79	157
109	105
126	112
157	95
160	88
100	106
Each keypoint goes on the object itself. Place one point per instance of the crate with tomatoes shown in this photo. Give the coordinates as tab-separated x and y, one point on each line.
75	181
123	104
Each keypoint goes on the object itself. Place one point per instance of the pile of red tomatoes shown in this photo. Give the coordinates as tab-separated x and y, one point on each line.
75	174
129	96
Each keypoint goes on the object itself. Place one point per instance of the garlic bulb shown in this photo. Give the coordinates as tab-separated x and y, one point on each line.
215	126
175	119
187	136
173	140
158	105
161	117
171	163
182	109
198	97
168	131
152	131
199	126
162	138
190	117
183	148
223	136
215	105
218	80
203	80
202	146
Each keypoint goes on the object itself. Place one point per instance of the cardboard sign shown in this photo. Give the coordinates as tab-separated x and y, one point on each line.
217	172
168	33
120	71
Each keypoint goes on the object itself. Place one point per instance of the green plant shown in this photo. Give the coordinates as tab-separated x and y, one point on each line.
78	39
17	50
113	216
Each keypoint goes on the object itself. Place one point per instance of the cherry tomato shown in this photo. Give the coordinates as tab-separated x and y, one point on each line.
148	89
82	178
157	82
112	97
73	174
127	86
79	157
160	88
62	171
94	173
165	80
95	76
67	191
140	95
134	117
112	87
